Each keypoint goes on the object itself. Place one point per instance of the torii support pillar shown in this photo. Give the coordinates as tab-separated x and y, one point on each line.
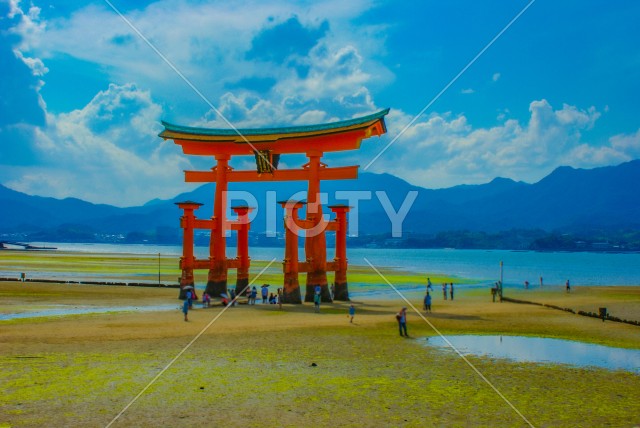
187	261
291	291
217	279
315	244
341	288
242	278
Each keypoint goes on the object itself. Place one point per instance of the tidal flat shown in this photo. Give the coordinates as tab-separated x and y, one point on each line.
262	366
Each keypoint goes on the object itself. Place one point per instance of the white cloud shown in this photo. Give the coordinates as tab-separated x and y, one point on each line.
107	152
467	91
441	150
208	42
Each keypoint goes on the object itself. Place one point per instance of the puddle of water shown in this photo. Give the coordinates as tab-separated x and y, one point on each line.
543	350
80	310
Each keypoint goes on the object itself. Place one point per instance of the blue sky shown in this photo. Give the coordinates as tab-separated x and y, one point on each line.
81	94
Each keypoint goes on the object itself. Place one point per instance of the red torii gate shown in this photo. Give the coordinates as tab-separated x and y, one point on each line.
267	144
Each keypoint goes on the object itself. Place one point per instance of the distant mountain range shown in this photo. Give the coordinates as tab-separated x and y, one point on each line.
567	200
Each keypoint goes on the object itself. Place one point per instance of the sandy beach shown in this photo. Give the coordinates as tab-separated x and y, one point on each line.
254	365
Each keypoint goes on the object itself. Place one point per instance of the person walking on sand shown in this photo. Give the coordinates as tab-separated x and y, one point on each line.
429	286
352	313
567	286
451	291
185	309
402	321
190	299
427	302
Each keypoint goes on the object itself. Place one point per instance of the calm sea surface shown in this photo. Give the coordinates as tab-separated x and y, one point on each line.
480	265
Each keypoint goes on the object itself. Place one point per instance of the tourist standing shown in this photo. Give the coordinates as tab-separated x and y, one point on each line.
540	282
254	295
265	293
451	291
444	290
352	312
316	302
206	300
185	309
189	299
427	302
567	286
402	321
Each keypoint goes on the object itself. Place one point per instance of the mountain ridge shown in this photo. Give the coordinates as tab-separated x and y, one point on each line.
566	199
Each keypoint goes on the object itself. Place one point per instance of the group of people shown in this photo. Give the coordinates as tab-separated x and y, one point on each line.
447	292
567	285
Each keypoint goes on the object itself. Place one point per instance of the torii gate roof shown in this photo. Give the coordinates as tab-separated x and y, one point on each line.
325	137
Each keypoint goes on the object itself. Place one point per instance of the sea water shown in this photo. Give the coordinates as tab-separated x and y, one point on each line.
483	266
542	350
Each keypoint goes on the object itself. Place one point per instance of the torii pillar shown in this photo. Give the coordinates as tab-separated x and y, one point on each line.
291	268
187	261
217	278
315	245
340	281
242	225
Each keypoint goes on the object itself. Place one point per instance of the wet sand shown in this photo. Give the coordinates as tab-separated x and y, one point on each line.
254	365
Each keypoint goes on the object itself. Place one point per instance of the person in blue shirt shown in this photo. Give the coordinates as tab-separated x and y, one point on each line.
402	321
352	312
427	302
316	302
265	293
190	299
185	309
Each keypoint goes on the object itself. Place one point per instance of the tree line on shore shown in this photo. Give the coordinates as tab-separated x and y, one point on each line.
622	240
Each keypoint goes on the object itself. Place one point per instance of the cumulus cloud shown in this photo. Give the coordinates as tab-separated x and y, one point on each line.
442	149
106	152
221	45
111	143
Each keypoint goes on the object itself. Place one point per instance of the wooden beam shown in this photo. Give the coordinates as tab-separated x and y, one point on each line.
338	173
